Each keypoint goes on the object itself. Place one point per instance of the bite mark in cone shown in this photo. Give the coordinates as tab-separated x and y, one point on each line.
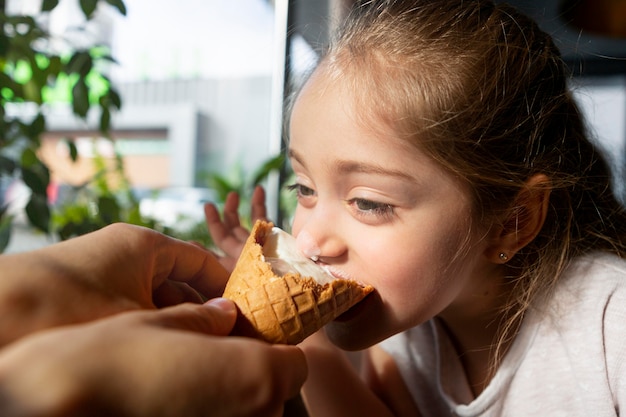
284	307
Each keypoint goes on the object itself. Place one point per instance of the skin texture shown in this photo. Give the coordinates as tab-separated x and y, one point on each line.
86	330
165	363
119	268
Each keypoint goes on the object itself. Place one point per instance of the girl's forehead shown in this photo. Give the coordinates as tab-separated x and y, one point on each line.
381	98
332	107
358	100
329	120
319	82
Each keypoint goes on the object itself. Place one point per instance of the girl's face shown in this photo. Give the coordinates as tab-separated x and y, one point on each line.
376	210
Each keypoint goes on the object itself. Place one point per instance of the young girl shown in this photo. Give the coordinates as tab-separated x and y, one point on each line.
440	157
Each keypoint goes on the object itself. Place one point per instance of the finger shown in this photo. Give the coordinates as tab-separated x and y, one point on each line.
258	209
198	244
231	210
215	317
228	263
217	228
211	214
173	292
225	238
182	261
291	367
241	234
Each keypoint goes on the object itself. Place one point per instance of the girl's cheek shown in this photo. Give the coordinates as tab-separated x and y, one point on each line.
298	219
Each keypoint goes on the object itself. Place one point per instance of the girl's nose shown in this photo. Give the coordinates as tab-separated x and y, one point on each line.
307	245
317	237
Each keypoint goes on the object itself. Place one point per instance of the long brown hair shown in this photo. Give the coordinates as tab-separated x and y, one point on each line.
484	91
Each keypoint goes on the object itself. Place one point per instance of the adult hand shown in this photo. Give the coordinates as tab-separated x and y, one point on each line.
228	234
117	268
149	363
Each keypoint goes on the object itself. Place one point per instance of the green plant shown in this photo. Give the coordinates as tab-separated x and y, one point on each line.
31	77
243	182
108	198
97	203
29	73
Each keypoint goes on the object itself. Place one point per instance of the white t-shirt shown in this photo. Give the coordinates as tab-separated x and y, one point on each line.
569	358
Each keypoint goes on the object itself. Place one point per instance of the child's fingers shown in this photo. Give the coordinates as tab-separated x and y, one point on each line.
231	210
218	229
258	207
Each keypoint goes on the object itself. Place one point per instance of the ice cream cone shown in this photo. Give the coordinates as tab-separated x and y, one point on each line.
284	299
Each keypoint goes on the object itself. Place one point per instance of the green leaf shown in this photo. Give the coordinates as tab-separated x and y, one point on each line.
54	66
7	82
80	98
105	120
88	7
4	43
115	99
268	166
67	231
29	158
108	57
35	181
119	5
32	91
6	227
7	165
30	133
80	63
48	5
109	209
38	212
36	127
221	185
134	216
71	146
39	65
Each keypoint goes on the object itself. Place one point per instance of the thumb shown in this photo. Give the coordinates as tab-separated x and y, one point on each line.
215	317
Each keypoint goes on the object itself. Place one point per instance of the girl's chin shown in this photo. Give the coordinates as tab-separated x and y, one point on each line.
360	327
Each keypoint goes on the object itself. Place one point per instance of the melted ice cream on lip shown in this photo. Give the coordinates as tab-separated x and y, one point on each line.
281	252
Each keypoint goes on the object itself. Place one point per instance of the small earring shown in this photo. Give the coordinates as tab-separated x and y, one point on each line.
503	256
315	258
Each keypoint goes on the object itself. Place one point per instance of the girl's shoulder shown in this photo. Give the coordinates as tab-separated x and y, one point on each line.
595	273
582	328
589	301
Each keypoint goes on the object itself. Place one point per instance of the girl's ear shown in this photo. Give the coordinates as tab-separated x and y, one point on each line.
524	220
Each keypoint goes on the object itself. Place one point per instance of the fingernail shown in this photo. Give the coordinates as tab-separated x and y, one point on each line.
223	304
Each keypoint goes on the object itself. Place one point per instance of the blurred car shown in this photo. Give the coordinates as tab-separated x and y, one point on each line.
179	208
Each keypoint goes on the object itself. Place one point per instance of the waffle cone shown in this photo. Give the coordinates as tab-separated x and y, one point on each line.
283	308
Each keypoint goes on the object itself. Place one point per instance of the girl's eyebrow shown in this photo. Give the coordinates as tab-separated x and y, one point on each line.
360	167
294	155
346	166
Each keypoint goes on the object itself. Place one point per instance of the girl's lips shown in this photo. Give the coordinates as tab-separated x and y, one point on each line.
335	272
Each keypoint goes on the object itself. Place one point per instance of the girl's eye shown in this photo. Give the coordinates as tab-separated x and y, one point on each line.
301	190
368	207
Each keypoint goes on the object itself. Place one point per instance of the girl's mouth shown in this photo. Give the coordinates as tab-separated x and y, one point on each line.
337	273
334	272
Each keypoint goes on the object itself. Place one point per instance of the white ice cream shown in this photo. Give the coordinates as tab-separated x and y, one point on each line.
281	252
